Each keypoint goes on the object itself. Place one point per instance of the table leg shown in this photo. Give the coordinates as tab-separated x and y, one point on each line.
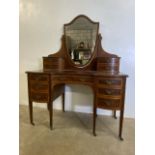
51	114
31	112
114	114
63	102
94	120
48	108
121	124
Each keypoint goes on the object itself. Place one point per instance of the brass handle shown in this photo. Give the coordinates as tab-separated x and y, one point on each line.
42	87
61	79
108	102
42	78
109	82
108	92
82	80
37	97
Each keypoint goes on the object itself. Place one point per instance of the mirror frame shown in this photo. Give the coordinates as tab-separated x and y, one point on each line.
94	51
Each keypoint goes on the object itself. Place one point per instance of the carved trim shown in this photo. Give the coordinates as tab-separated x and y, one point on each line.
84	16
62	50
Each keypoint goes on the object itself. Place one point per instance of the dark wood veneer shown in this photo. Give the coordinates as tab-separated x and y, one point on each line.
101	73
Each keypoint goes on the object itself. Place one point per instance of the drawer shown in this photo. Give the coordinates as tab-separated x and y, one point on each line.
72	79
109	82
39	86
40	97
53	63
38	77
109	103
108	91
114	60
108	67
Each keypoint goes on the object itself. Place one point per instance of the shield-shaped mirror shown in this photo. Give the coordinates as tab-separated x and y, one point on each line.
80	38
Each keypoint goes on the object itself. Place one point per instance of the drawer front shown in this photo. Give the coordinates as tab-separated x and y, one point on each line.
39	87
53	63
109	103
108	91
107	67
72	79
108	60
108	64
109	82
38	78
40	97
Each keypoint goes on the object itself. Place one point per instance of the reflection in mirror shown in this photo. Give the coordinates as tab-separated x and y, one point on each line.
80	36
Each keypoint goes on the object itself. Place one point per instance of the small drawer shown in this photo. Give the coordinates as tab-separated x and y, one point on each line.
84	79
107	67
110	82
59	79
107	91
40	97
109	103
114	60
39	87
39	77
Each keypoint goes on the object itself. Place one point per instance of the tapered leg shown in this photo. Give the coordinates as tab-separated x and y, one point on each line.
31	112
114	114
63	102
121	124
51	114
94	120
48	108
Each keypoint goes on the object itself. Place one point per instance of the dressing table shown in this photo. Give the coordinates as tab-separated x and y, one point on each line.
80	60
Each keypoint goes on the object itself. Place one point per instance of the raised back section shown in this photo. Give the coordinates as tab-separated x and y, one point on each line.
100	59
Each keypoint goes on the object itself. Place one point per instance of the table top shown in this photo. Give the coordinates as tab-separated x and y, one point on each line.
76	72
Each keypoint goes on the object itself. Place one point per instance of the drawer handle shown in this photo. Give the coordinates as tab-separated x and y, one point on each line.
41	87
44	78
38	96
82	80
108	102
109	82
60	79
38	87
108	92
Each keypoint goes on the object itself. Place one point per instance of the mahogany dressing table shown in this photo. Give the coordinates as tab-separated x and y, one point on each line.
80	60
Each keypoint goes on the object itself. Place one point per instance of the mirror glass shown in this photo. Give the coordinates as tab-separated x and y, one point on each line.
80	37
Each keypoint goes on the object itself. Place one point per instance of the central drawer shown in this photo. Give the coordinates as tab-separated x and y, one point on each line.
72	79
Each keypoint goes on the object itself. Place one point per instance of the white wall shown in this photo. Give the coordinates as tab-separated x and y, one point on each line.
41	27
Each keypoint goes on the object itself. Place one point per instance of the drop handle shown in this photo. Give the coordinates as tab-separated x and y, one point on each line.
37	97
109	82
61	79
82	80
108	103
108	92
